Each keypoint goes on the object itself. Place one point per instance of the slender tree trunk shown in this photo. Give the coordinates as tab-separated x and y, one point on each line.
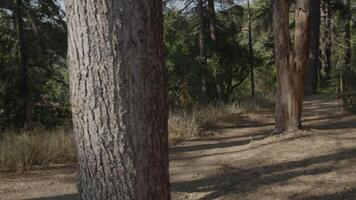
219	79
326	43
250	46
311	80
201	28
212	24
345	78
291	63
202	50
23	63
118	96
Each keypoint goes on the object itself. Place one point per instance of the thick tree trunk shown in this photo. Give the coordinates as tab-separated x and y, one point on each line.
325	43
118	97
23	64
250	46
311	80
291	63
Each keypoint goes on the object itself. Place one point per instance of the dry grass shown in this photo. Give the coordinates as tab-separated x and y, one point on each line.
198	121
20	152
192	124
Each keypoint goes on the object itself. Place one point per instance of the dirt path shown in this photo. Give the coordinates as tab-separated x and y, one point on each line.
243	161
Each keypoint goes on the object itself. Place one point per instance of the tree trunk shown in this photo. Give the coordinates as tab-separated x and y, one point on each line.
250	46
291	63
212	24
345	79
219	80
326	43
118	96
23	64
311	80
202	50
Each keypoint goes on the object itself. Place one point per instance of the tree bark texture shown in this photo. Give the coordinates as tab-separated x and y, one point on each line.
314	64
118	96
291	63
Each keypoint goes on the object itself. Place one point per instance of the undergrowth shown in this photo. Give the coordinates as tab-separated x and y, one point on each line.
20	152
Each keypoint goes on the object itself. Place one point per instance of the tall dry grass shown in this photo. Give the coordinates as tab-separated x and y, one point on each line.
185	124
21	151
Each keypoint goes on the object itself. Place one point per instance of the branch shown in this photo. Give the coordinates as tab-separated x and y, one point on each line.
237	84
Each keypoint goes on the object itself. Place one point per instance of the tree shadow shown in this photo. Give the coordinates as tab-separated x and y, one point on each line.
63	197
236	181
255	137
335	124
343	195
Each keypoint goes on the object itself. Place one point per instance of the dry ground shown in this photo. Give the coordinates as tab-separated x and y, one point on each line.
243	161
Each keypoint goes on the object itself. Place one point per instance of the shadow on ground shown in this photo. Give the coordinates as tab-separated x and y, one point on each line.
63	197
348	194
239	181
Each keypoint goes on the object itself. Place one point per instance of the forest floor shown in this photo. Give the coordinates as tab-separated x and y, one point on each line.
241	161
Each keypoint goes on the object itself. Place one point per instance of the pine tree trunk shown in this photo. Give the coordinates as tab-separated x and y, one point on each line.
325	43
200	8
291	63
250	46
311	80
219	79
345	79
23	64
212	24
118	96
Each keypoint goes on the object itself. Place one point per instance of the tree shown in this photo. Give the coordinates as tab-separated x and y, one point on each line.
311	80
118	95
325	42
202	49
33	85
250	46
291	63
24	87
345	78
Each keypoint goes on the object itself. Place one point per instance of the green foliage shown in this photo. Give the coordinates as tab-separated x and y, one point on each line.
223	71
45	44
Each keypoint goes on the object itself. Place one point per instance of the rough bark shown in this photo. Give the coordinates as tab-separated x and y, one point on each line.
23	64
291	63
311	80
250	46
325	43
118	96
